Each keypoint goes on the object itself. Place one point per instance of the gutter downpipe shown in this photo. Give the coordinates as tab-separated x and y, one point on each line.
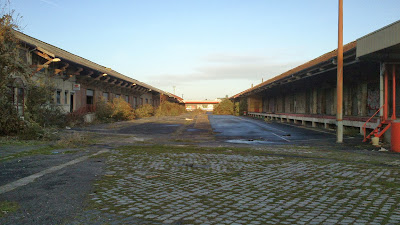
339	107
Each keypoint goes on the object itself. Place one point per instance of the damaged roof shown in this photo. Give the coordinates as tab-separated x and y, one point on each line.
62	54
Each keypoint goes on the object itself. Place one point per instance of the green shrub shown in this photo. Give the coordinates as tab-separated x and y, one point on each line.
121	110
144	111
242	106
170	109
237	109
104	110
10	122
225	107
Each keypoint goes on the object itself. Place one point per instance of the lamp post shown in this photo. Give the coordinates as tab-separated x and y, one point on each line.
339	107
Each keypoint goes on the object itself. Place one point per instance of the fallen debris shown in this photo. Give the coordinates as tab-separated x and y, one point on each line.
383	150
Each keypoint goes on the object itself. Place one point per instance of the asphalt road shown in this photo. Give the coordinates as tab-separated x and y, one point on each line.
242	130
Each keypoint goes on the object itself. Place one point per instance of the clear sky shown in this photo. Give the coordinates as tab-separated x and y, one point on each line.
205	48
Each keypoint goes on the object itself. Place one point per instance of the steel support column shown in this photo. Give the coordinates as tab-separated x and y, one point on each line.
339	90
394	92
381	90
385	108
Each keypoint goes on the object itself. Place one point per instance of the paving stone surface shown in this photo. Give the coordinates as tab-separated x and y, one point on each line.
228	188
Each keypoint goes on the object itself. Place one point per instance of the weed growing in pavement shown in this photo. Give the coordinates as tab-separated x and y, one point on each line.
156	149
7	207
73	140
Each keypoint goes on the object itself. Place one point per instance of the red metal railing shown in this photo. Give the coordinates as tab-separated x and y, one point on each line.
364	127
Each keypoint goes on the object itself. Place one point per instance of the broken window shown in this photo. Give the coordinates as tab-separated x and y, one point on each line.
58	97
89	97
105	96
66	97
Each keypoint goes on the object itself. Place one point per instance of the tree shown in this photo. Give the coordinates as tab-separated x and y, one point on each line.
11	68
225	107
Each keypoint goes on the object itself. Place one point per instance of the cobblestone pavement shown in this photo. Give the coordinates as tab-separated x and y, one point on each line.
224	186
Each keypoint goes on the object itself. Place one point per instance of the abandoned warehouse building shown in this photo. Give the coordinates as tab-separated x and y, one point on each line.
307	94
78	82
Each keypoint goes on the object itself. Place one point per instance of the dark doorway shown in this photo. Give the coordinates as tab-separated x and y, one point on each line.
89	97
71	103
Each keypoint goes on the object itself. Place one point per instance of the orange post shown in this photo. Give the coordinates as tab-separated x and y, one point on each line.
395	136
394	92
385	108
339	90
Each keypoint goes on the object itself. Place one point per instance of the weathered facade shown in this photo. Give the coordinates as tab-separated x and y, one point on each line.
80	83
307	94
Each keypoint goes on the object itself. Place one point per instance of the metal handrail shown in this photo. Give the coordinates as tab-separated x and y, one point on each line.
364	127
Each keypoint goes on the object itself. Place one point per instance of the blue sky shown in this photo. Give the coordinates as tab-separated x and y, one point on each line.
205	48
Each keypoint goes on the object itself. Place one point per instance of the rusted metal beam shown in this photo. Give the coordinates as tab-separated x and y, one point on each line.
339	106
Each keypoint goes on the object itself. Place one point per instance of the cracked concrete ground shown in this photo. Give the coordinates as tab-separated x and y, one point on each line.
190	173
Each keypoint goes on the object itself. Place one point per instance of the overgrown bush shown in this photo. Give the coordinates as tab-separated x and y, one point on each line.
170	109
39	114
104	110
10	122
225	107
144	111
242	106
236	109
39	107
10	66
122	110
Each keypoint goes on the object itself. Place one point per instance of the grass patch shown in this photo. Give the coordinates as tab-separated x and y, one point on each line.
7	141
46	150
73	140
156	149
7	207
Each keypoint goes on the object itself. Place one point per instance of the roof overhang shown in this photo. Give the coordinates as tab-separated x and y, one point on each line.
381	45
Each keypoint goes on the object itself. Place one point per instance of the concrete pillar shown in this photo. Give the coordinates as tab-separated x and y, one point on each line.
361	131
303	122
314	101
363	100
326	125
381	90
313	124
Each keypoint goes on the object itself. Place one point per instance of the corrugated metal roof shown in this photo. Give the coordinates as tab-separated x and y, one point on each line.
383	38
304	66
60	53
